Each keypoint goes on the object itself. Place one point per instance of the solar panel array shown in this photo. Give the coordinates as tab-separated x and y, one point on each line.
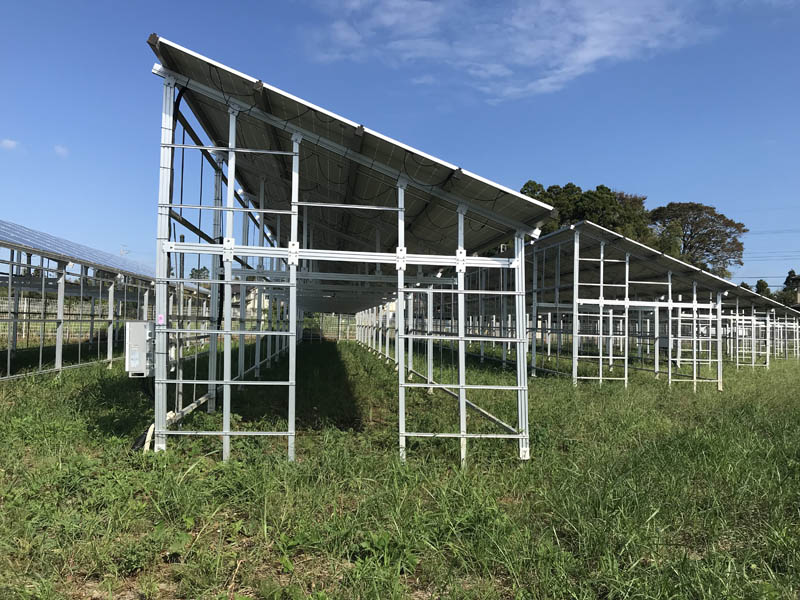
51	246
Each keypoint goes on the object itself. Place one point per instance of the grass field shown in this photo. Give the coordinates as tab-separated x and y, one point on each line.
648	492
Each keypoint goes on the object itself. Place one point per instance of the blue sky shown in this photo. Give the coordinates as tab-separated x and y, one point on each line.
676	100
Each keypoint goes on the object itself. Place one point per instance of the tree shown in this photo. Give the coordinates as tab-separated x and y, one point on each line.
562	199
704	237
762	287
201	273
618	211
788	295
746	286
792	281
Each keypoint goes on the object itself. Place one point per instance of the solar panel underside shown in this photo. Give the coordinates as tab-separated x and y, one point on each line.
326	176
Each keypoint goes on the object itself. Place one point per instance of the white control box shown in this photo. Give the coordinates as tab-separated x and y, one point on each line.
140	347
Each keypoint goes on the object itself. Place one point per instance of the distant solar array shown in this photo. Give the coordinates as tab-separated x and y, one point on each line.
38	242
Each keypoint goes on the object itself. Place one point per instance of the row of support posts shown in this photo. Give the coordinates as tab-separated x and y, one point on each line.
604	320
68	288
279	286
374	325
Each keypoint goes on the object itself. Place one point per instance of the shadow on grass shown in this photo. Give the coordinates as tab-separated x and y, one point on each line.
324	397
121	406
28	359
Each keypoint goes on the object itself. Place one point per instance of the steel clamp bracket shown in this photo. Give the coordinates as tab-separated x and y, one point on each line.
227	249
294	253
400	258
461	260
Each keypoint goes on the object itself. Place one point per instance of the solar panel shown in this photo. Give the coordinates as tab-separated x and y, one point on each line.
646	261
348	163
50	246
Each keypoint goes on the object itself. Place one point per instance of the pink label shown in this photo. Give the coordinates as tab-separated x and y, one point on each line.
161	320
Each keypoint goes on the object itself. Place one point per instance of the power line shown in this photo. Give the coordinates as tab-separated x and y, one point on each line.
772	232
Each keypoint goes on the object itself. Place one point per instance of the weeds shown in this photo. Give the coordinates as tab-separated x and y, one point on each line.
645	492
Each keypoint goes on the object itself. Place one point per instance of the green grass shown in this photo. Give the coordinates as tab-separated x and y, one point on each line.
648	492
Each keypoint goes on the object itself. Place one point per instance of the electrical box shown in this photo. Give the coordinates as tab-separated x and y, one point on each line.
140	347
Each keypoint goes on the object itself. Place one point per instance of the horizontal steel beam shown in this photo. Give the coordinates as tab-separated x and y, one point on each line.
342	255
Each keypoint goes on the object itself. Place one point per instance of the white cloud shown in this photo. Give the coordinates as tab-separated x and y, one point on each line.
511	49
8	144
61	151
427	79
345	35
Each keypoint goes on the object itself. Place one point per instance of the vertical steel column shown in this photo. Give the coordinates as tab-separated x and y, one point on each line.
410	338
396	338
626	337
522	344
91	324
429	332
694	336
601	340
84	271
461	255
387	315
656	337
293	246
146	303
534	308
669	328
62	276
557	298
768	334
640	336
260	289
373	324
162	235
399	320
611	339
380	329
12	319
42	315
503	313
243	294
216	274
110	330
575	292
377	249
719	341
227	264
305	235
680	331
753	336
12	326
178	338
272	315
785	336
481	308
736	334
